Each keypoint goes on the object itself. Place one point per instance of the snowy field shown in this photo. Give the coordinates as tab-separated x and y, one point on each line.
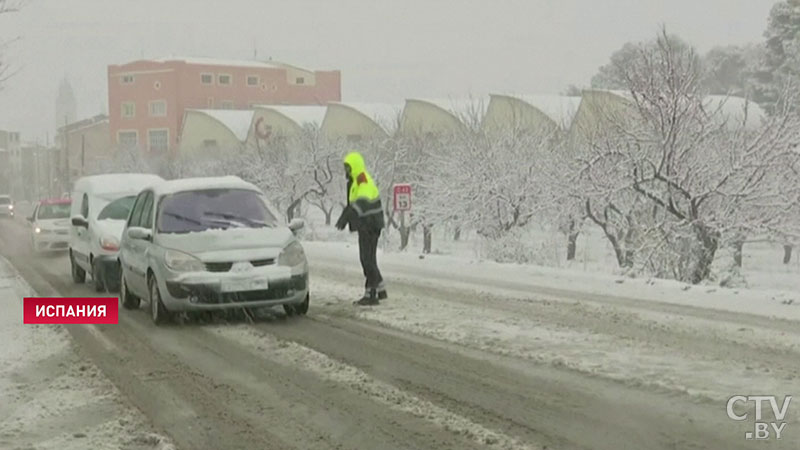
50	396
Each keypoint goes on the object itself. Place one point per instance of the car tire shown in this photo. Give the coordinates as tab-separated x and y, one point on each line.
126	298
158	312
302	308
78	274
97	277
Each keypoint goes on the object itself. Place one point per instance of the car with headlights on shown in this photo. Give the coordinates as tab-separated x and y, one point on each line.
6	206
205	244
49	223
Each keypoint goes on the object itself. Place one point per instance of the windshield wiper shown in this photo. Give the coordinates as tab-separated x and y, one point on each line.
244	220
184	218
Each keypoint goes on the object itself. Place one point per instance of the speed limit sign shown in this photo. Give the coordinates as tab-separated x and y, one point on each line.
402	197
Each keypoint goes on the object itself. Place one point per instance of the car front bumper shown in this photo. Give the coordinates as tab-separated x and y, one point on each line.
44	242
203	295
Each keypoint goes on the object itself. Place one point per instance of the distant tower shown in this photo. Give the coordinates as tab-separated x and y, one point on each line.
66	105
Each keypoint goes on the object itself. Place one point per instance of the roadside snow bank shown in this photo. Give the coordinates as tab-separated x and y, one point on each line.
515	279
49	397
587	338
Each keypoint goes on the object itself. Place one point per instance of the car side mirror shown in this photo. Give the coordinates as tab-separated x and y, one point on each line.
140	233
296	225
78	221
30	219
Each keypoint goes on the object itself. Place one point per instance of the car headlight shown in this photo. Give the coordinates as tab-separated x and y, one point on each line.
37	230
292	255
109	243
182	262
11	207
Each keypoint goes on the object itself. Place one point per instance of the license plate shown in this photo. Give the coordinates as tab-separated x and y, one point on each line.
244	284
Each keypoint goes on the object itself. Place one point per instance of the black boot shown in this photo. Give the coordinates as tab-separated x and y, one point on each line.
370	298
382	295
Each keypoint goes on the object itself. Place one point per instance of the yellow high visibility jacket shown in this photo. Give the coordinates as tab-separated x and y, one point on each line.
363	197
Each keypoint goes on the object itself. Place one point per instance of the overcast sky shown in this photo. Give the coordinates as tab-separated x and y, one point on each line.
387	50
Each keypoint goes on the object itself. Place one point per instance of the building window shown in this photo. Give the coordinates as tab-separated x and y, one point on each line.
128	110
207	78
158	108
126	79
158	140
128	139
227	105
300	80
252	80
224	80
210	102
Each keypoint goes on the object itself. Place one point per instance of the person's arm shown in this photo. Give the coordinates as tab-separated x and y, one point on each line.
348	214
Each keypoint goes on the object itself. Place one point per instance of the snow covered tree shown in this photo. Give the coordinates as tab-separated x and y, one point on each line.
706	172
290	169
612	75
730	70
6	7
781	53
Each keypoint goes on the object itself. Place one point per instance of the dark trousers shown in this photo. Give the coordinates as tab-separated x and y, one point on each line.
368	251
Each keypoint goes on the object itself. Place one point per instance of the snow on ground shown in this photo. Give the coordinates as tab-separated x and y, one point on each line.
50	398
567	335
330	370
513	279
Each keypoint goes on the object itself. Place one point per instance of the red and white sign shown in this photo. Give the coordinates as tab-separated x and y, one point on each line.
402	197
63	310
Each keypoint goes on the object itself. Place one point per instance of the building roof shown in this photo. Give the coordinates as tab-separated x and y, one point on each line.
731	111
301	115
81	124
460	107
386	115
559	108
236	120
205	61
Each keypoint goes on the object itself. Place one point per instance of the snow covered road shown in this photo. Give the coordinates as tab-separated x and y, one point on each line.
441	365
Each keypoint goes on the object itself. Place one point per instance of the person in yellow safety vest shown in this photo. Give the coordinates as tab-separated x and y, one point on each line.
364	214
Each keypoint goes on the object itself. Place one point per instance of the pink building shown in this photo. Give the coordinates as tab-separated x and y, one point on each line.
147	99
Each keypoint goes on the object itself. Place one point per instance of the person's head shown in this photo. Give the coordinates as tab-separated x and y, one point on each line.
354	164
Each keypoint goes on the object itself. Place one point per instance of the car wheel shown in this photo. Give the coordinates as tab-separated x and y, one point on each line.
97	277
302	308
78	274
128	300
158	312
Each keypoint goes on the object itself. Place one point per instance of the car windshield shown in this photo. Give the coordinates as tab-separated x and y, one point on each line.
117	209
59	211
202	210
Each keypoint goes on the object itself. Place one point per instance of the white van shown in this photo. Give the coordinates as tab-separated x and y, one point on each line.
100	208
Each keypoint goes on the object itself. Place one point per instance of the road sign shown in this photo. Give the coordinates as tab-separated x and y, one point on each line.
402	197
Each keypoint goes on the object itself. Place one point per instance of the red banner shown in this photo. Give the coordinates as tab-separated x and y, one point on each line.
74	310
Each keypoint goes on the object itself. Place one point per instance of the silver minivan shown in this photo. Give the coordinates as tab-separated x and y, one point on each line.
208	244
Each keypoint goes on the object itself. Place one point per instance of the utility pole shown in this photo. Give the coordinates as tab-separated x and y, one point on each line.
83	152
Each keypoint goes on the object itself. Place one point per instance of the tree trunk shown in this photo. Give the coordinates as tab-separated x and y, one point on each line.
405	232
427	237
290	211
572	241
328	213
457	234
787	254
738	246
709	242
